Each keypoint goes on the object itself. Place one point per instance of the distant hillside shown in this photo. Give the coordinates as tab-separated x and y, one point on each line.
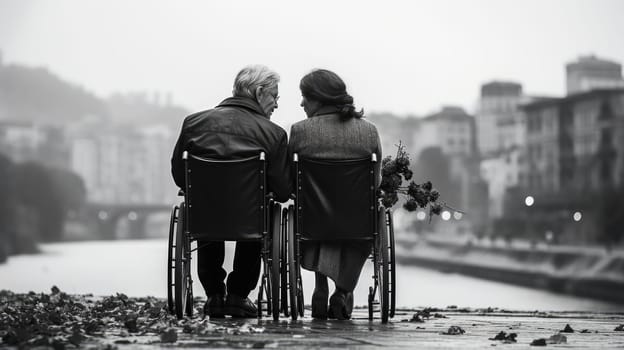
36	94
137	108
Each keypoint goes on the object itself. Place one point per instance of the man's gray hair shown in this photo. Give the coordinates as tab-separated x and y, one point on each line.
252	77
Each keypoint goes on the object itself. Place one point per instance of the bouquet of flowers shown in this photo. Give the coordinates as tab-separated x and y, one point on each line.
393	172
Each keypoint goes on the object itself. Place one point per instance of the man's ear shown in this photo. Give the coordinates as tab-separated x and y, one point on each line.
258	91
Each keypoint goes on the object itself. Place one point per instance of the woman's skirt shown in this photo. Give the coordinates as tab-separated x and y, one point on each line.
341	261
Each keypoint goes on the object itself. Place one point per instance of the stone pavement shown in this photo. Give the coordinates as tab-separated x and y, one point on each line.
590	331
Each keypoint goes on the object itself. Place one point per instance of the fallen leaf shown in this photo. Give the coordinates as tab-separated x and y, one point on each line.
76	338
508	338
567	329
557	339
454	330
416	318
169	336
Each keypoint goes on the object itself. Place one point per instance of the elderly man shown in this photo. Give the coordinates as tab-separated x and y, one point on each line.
238	127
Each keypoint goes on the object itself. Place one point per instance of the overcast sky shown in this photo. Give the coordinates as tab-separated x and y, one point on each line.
406	57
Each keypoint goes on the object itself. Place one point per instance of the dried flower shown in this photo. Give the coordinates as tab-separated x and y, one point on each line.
394	171
410	205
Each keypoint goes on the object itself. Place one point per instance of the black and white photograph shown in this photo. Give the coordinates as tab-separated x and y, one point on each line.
294	175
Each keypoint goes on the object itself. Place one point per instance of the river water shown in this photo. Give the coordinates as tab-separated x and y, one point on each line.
138	268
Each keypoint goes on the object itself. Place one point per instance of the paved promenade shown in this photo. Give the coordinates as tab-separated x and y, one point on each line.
61	321
590	331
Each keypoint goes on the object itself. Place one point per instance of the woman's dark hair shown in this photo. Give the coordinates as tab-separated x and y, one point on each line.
327	88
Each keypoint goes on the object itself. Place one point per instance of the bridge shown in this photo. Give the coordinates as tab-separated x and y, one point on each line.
104	218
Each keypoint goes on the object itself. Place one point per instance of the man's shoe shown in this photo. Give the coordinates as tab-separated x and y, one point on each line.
319	303
240	307
214	306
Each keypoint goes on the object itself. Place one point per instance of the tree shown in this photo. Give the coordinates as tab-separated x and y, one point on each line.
611	216
70	187
38	193
7	198
433	165
50	193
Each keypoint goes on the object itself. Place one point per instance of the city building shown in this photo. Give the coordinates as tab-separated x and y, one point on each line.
590	72
122	165
501	172
576	142
453	131
500	123
501	130
575	155
34	142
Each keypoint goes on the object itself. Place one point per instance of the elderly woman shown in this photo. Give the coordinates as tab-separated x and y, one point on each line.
334	130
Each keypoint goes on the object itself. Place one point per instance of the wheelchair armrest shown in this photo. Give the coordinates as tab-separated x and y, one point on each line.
181	193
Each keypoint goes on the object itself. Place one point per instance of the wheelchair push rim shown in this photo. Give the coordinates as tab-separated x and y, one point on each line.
173	222
275	261
392	262
284	265
293	280
382	266
182	284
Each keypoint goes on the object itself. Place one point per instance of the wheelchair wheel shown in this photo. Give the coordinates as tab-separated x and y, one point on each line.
284	265
182	269
275	260
170	258
382	266
292	265
264	293
392	262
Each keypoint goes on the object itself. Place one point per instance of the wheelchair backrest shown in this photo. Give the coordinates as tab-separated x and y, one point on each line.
226	199
335	199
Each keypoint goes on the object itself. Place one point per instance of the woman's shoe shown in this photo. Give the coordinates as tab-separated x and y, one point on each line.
319	297
319	304
338	306
349	303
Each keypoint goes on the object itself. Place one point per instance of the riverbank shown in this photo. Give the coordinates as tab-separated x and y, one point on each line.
581	271
60	321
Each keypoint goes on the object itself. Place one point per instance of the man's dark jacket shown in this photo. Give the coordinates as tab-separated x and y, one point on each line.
236	128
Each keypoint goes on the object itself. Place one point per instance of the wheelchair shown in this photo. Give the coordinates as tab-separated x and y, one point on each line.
224	200
337	200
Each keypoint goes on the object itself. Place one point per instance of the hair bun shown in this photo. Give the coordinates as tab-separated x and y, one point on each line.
346	99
